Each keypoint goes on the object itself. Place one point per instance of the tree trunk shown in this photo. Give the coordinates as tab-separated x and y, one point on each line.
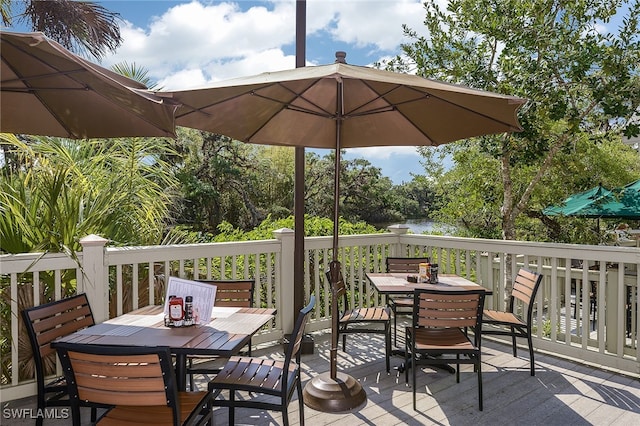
510	209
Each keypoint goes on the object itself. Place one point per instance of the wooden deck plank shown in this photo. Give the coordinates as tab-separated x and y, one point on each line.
561	393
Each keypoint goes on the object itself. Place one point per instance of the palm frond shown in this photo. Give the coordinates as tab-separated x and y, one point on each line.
77	25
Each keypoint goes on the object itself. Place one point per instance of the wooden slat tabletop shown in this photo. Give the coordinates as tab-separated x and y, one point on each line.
228	331
396	283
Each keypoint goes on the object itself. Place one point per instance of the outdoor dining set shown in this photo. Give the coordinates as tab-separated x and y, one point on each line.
135	368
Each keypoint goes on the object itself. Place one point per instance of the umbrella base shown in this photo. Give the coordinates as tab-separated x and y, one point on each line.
340	395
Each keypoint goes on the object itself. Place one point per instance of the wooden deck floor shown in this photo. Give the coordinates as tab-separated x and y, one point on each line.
561	393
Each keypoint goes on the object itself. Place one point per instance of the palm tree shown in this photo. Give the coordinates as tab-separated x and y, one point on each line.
82	27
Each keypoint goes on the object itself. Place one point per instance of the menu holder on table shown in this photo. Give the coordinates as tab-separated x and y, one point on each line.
188	302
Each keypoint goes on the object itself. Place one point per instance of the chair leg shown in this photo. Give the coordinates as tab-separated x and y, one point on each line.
75	414
285	414
41	406
344	343
190	375
414	367
232	414
479	367
395	327
406	358
387	340
531	361
300	402
513	342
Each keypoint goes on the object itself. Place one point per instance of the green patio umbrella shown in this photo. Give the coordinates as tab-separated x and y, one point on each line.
620	203
576	203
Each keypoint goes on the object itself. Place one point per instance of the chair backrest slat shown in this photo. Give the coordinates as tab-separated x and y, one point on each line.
405	264
448	308
122	380
233	293
47	322
525	287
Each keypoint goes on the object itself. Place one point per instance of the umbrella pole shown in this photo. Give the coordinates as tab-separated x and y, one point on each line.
335	392
335	265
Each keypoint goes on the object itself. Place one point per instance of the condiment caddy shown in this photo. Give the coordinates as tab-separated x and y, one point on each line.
180	312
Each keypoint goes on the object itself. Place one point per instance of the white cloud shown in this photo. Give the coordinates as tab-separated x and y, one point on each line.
382	152
216	39
191	44
226	40
375	24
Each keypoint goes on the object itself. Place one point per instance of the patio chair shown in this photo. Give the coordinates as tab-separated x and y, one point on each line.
138	383
264	376
402	303
438	332
512	322
231	293
45	323
374	320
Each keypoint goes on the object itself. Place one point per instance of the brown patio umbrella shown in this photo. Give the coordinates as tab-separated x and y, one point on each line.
371	107
47	90
343	106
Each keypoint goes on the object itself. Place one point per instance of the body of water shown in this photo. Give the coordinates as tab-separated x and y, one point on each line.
419	226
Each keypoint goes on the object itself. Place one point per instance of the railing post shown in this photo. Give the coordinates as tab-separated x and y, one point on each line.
286	308
399	229
611	322
94	283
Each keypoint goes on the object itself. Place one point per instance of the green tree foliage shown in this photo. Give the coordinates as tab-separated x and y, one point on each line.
583	85
56	191
80	26
365	195
241	184
135	72
471	201
416	199
220	181
313	226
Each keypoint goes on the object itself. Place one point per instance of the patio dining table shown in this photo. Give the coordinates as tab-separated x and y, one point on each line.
397	284
229	330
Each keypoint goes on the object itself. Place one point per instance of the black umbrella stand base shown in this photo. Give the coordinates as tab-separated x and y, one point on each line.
340	395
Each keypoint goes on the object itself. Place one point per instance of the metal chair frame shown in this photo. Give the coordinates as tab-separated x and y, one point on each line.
439	327
44	324
264	376
233	293
137	383
510	322
360	320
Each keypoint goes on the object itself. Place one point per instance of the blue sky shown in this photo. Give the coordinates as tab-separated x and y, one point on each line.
186	44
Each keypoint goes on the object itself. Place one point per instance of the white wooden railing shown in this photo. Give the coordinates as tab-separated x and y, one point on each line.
120	279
